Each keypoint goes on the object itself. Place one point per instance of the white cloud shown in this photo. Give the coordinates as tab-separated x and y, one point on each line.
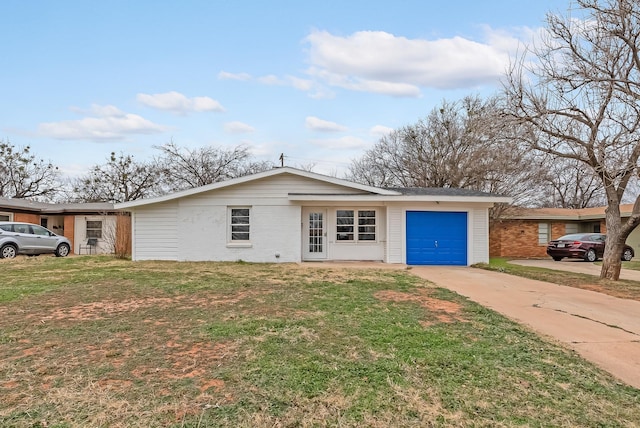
108	123
271	79
317	124
178	103
380	131
224	75
380	62
343	143
238	128
292	81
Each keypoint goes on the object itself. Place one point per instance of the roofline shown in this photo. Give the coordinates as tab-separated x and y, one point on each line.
572	214
398	198
25	205
257	176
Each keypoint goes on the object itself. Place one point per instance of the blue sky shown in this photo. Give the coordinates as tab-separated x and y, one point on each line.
317	81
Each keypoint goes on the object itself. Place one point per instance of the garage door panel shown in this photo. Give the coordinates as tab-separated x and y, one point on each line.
436	238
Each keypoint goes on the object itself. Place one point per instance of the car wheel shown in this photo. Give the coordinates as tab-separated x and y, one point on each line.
62	250
591	256
8	252
627	255
557	259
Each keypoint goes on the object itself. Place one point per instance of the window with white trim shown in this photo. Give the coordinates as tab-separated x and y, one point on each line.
94	229
544	231
240	224
367	225
350	230
5	216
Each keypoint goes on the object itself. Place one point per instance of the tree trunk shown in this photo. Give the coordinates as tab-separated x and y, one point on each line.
611	261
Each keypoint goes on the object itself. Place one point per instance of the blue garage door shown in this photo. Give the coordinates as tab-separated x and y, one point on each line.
436	238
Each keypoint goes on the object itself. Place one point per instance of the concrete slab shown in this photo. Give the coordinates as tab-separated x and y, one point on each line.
603	329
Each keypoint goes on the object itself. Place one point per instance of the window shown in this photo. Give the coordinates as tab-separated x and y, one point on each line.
240	224
5	217
543	233
346	225
367	225
570	228
94	229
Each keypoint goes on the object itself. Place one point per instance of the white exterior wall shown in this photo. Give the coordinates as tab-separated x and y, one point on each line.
477	229
197	227
479	236
105	244
204	232
155	234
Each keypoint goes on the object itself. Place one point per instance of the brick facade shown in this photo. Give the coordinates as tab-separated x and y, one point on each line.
69	229
519	238
27	218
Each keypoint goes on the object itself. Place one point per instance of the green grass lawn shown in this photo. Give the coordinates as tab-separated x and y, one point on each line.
94	341
623	288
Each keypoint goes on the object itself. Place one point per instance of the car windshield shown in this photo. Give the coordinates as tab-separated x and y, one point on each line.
576	237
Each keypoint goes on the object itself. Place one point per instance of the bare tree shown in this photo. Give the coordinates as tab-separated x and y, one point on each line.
121	179
183	168
459	144
24	176
578	93
568	184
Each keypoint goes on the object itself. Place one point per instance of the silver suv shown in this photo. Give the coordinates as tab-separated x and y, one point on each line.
31	239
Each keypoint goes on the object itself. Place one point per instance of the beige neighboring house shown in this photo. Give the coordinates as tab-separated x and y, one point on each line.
91	227
527	232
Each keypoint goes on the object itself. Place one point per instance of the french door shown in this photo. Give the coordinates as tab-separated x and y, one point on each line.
314	245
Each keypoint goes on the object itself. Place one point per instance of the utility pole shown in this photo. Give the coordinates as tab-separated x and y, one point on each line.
281	160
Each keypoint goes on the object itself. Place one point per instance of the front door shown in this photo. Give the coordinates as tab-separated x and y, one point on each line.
314	246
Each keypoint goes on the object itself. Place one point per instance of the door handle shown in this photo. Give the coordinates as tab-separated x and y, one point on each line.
436	244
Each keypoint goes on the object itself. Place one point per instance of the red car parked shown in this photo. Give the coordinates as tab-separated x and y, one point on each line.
587	246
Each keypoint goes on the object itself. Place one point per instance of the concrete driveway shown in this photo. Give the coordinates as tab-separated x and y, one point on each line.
602	329
576	265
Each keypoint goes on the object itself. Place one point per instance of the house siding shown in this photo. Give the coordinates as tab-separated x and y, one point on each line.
395	239
155	231
273	190
479	236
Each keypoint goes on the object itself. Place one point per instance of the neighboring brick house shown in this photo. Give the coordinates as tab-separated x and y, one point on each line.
526	233
82	223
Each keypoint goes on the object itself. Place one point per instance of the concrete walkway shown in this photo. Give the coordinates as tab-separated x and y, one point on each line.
577	266
602	329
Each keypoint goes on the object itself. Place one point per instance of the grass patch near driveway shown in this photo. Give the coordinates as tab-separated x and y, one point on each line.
633	264
94	341
624	289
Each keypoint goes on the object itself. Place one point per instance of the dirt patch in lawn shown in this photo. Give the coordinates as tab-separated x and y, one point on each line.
103	310
443	310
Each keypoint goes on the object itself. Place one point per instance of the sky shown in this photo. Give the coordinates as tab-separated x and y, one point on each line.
318	81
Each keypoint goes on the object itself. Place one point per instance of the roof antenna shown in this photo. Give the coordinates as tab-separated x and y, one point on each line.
281	160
